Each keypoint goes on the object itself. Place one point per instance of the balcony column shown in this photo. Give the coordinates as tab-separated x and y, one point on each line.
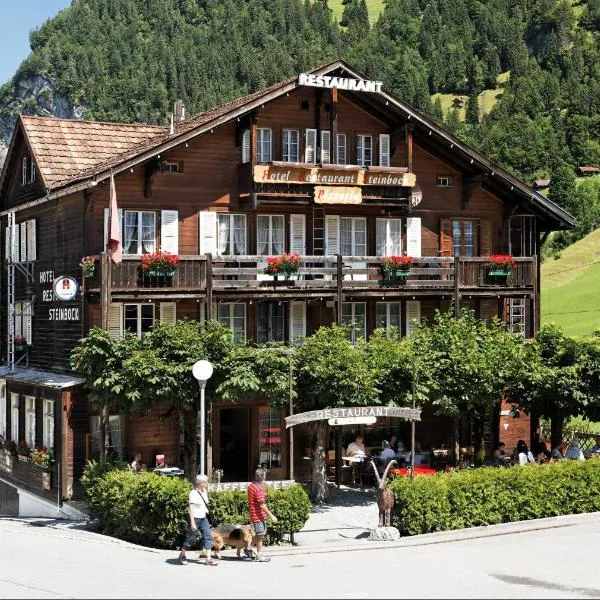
456	285
340	282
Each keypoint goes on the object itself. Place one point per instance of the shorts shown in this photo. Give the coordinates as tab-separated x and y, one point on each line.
260	528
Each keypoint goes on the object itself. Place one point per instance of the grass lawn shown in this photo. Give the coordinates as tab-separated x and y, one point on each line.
375	8
571	287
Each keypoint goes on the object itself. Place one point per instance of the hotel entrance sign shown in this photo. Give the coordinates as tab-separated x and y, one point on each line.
341	83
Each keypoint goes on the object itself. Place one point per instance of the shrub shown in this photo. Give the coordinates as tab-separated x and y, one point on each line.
487	496
151	510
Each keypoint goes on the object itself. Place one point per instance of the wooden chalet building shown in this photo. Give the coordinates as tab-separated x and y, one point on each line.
326	164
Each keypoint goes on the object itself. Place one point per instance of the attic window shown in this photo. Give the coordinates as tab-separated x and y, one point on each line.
28	170
304	104
443	181
172	167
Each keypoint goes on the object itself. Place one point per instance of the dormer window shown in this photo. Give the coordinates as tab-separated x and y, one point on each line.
28	170
443	181
172	167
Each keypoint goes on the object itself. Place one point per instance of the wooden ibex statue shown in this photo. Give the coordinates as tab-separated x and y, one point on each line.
385	496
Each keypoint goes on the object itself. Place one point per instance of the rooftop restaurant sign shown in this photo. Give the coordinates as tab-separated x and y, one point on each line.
354	412
342	83
294	173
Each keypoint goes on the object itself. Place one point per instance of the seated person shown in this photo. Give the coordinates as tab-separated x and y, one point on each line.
543	454
357	447
136	466
500	455
574	451
595	449
558	453
524	455
387	452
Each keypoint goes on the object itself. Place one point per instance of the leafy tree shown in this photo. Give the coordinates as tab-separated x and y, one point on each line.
562	185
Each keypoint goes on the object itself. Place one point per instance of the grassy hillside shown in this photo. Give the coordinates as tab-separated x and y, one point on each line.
571	287
375	7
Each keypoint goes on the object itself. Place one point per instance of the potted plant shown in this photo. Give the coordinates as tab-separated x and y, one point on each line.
88	266
396	266
286	264
500	264
20	343
159	263
23	451
41	457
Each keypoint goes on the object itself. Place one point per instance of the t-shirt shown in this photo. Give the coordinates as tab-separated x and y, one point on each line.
388	453
355	448
197	505
256	497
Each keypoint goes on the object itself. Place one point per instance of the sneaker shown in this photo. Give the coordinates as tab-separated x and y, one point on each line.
261	558
249	553
182	559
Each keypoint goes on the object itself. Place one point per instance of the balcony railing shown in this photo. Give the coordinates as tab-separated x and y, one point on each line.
326	273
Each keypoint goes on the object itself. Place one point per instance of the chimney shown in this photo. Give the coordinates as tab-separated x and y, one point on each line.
179	110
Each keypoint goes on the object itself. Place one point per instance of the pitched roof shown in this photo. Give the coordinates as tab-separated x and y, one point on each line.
63	148
541	183
589	169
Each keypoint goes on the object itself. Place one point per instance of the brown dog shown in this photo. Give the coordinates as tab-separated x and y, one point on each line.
238	536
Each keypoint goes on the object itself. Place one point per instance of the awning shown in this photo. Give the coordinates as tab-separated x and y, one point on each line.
43	378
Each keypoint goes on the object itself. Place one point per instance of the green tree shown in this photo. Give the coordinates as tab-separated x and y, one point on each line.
562	185
472	113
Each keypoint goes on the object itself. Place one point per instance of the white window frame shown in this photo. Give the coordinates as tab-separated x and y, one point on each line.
364	155
230	219
271	250
443	181
32	171
271	308
226	314
30	421
340	155
14	417
354	332
140	213
391	309
171	166
48	425
354	230
138	333
264	145
290	150
3	420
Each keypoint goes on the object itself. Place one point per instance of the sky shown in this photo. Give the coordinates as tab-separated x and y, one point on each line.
17	19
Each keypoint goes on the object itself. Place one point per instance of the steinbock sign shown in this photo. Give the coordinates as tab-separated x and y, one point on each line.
354	412
341	83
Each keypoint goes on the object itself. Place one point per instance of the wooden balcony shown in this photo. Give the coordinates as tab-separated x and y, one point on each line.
243	276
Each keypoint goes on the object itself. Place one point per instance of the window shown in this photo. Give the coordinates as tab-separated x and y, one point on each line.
115	434
341	148
23	312
14	417
269	423
48	427
353	316
231	234
270	235
353	236
30	420
139	228
388	315
263	145
138	318
28	170
3	432
290	149
443	181
233	315
271	322
364	150
24	171
172	167
389	237
463	238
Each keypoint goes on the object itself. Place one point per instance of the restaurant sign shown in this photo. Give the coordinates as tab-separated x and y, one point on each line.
413	414
294	173
341	83
337	195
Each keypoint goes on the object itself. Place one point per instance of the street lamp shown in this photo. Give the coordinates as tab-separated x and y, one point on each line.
202	371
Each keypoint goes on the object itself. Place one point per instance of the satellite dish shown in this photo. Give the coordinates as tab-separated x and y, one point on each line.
202	370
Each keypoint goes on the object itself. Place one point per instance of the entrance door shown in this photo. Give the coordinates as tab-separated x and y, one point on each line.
234	443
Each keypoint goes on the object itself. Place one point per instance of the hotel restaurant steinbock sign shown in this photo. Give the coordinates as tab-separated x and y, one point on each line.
356	412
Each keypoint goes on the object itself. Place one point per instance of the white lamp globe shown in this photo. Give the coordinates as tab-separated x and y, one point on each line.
202	370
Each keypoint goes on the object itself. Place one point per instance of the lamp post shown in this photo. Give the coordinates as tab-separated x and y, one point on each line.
202	371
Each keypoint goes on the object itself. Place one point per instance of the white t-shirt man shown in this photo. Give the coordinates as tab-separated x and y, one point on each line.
197	504
356	448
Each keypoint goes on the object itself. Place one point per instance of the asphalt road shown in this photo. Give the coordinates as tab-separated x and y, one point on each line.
556	562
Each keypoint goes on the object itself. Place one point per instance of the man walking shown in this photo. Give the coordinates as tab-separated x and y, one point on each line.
259	512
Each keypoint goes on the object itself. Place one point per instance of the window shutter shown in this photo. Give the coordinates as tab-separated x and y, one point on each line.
15	243
31	240
325	147
332	234
169	231
23	244
446	245
413	313
384	150
208	232
24	171
413	236
246	146
168	312
310	145
297	323
297	233
115	320
485	233
18	318
27	325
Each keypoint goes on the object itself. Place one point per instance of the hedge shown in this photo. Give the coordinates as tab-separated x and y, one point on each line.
487	496
151	510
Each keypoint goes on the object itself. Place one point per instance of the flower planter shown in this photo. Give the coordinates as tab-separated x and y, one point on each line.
499	272
88	272
402	273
